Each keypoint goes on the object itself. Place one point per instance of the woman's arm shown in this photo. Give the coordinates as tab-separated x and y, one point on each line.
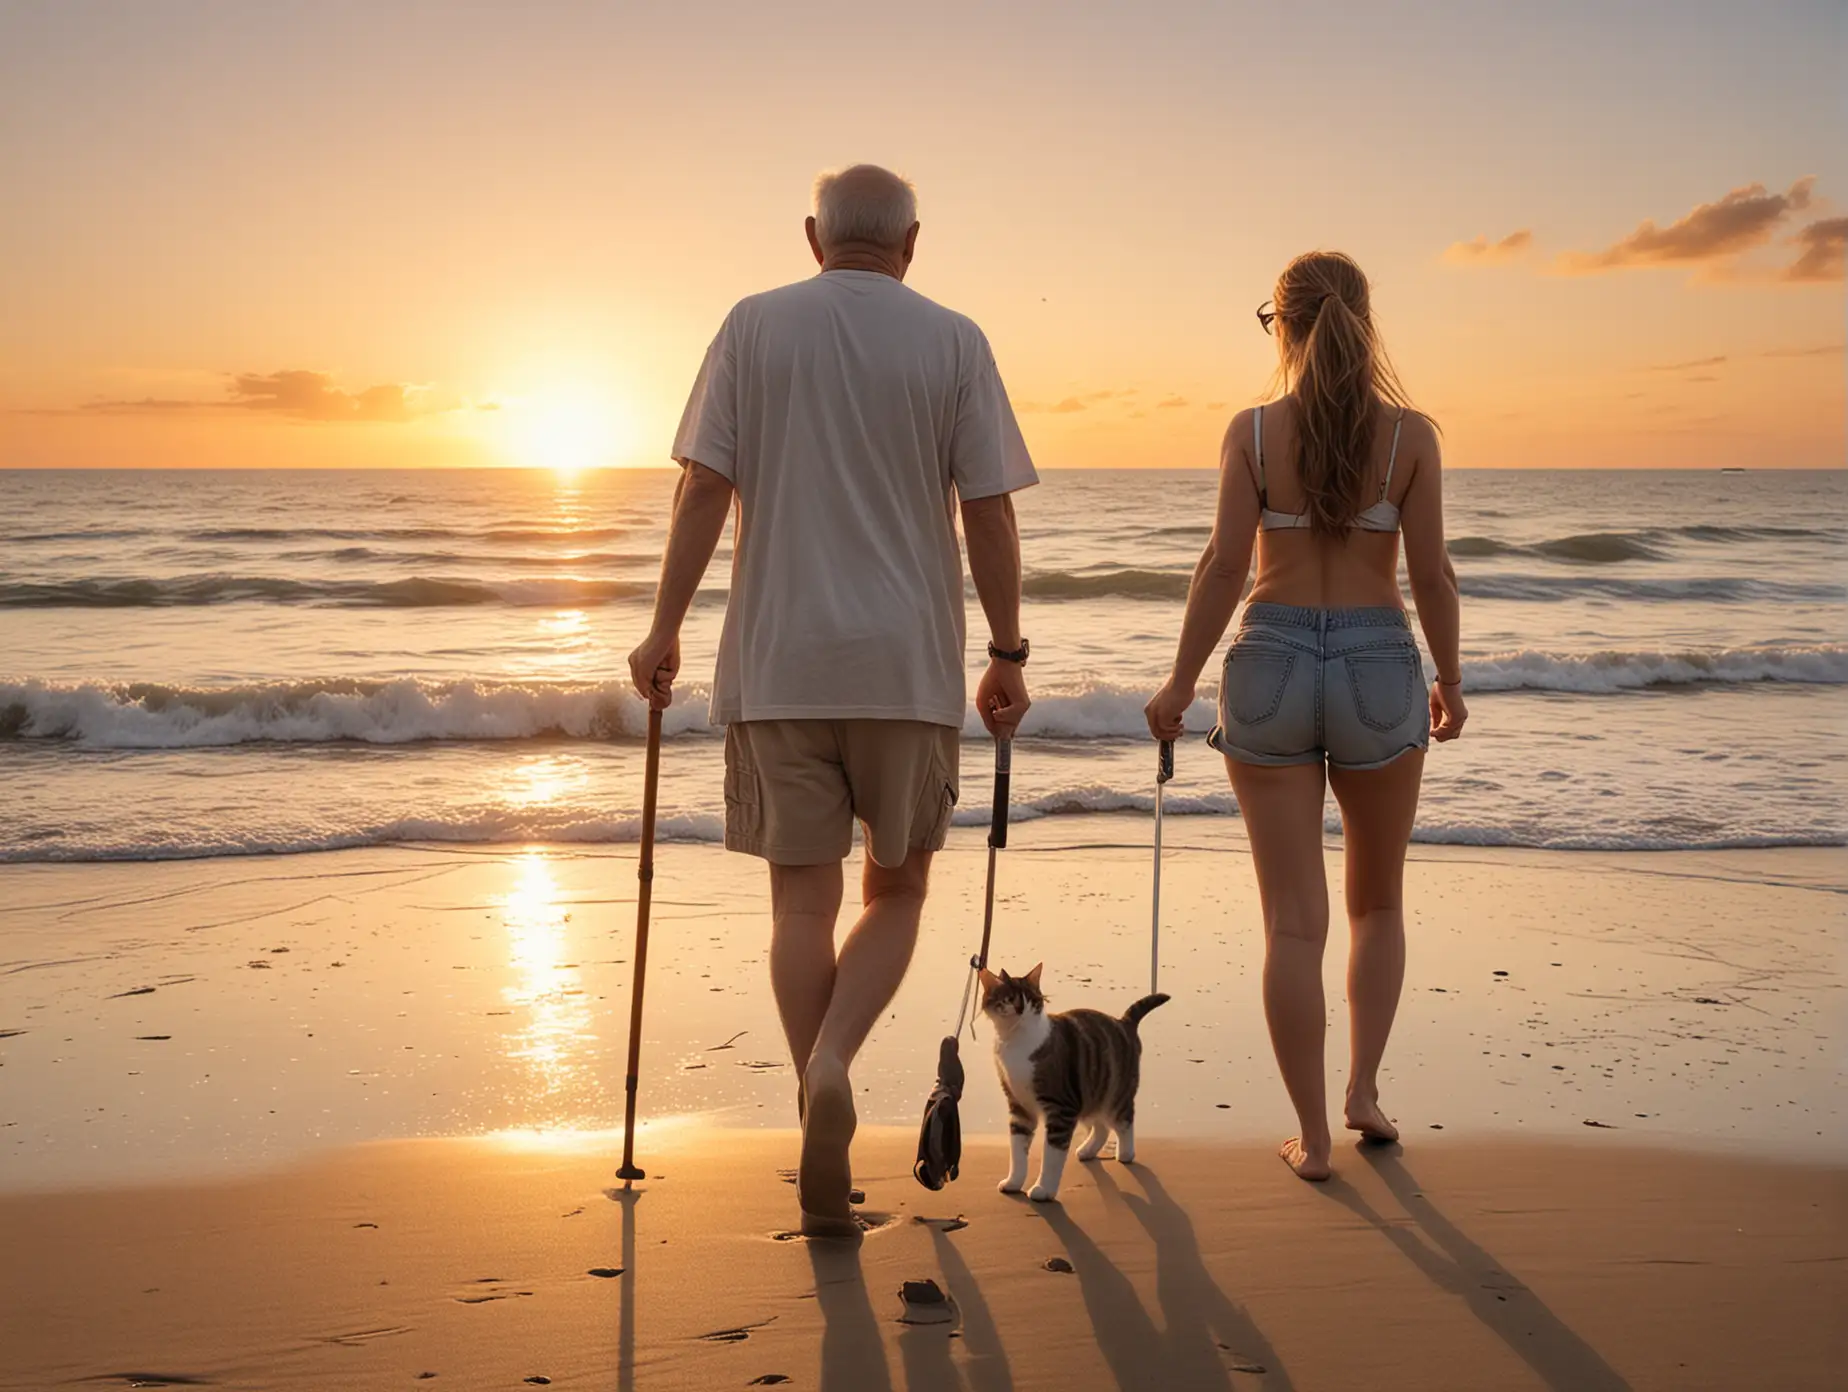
1434	582
1217	586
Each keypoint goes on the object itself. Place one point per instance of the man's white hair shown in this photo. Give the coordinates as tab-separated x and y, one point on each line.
866	204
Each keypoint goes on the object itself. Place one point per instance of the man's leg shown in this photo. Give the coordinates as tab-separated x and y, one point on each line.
873	960
786	800
805	903
867	975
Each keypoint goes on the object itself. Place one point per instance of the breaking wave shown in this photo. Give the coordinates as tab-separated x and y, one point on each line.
151	715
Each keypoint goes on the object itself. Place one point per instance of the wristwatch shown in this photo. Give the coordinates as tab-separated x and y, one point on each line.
1019	655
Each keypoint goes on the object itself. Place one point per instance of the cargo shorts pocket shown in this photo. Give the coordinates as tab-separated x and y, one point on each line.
930	823
1385	683
744	803
1256	676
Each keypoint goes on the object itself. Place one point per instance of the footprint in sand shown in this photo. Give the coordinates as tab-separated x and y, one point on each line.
924	1302
737	1335
943	1225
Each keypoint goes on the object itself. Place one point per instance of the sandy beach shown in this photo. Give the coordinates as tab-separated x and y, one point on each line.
1618	1078
485	1265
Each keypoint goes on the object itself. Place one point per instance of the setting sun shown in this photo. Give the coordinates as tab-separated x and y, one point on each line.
568	429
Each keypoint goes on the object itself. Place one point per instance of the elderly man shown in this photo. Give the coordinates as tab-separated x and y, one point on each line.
845	413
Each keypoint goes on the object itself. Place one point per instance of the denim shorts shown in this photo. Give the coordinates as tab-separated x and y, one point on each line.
1304	685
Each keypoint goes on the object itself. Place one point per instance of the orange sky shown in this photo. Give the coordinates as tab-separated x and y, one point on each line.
417	234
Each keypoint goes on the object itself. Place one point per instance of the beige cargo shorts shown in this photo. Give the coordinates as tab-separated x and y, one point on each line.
794	788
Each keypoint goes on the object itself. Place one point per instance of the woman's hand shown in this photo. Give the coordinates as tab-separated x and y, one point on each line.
1167	710
1448	712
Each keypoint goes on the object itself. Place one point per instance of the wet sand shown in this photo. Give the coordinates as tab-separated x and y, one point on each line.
183	1018
1619	1077
1513	1265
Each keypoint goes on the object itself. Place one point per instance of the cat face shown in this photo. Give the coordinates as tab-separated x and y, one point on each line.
1007	997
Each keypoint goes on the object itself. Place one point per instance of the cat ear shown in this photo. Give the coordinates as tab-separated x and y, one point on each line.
988	979
1032	977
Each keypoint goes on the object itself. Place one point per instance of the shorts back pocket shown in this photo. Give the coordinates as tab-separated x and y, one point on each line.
1385	683
1256	676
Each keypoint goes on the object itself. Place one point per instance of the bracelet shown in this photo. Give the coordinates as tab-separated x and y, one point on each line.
1457	682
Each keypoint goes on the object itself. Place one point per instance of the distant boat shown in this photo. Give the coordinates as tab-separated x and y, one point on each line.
1735	469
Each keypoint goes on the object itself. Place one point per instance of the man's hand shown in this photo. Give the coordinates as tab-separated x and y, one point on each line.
653	667
1001	697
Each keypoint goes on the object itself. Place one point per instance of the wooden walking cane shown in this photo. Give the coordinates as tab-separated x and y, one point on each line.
644	874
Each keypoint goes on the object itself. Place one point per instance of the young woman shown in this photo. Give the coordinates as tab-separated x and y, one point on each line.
1324	672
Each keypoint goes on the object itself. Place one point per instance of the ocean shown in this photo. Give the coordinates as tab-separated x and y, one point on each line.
217	663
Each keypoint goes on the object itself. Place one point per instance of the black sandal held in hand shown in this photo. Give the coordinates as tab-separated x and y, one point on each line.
940	1138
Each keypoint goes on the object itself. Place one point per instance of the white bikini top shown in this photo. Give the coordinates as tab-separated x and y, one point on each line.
1382	516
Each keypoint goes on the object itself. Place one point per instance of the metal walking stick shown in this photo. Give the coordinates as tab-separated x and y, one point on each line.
644	874
1164	770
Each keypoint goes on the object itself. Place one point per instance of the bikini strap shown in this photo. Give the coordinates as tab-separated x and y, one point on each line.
1397	425
1257	445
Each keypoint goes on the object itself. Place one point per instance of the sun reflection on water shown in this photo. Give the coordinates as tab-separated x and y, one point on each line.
552	1033
545	780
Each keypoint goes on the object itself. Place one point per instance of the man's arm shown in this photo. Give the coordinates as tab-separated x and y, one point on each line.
993	538
702	501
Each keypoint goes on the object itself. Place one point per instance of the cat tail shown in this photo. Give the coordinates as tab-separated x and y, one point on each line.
1133	1016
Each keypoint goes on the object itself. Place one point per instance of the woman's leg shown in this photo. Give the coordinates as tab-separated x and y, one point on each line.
1377	807
1282	808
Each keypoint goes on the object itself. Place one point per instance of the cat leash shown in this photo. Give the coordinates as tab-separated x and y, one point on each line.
940	1136
997	841
1164	770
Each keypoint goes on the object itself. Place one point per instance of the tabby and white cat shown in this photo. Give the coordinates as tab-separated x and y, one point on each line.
1077	1065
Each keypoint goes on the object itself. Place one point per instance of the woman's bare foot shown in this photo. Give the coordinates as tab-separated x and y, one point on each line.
1307	1164
1364	1115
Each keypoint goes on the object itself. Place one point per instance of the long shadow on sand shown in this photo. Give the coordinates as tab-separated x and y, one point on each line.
852	1352
1204	1324
853	1355
985	1362
625	1336
1509	1309
1194	1309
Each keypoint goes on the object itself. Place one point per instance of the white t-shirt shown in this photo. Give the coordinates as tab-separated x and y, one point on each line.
845	409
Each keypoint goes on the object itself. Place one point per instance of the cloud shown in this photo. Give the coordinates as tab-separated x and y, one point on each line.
1684	366
313	396
298	394
1824	350
1825	248
1480	251
1170	402
1067	406
1713	232
146	405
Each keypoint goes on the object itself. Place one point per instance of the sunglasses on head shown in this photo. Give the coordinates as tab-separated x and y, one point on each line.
1266	317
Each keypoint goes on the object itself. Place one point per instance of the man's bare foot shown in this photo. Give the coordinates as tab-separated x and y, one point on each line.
831	1229
825	1178
1367	1118
1306	1163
